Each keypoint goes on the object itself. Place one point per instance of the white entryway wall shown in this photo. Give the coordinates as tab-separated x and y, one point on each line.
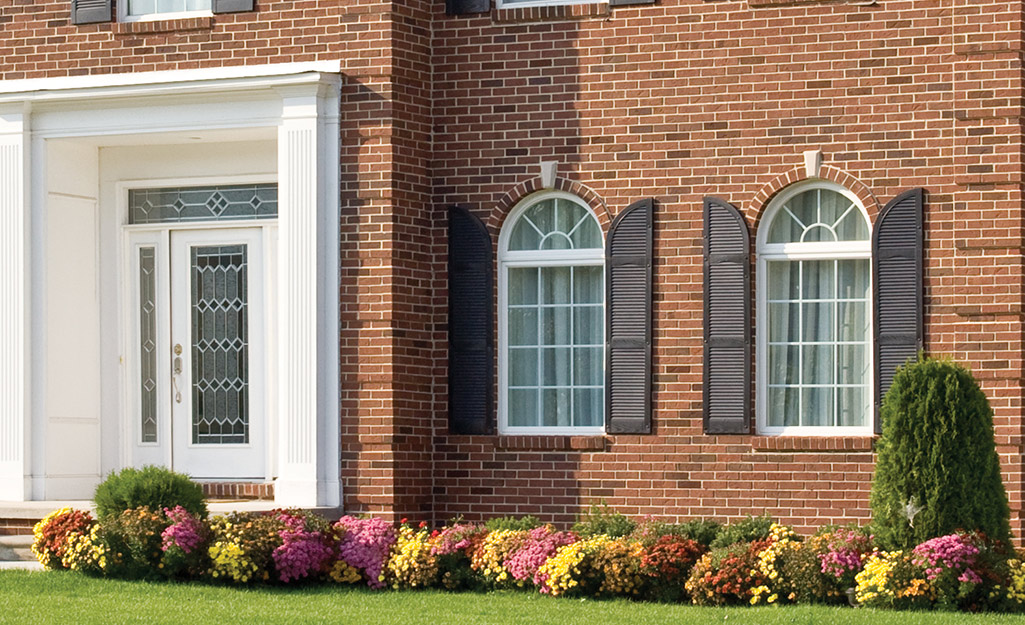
67	149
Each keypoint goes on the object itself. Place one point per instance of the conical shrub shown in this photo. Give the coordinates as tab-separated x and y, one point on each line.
937	469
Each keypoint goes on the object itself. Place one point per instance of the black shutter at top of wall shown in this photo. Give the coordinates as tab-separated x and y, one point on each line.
90	11
470	324
897	256
233	6
628	255
727	339
467	7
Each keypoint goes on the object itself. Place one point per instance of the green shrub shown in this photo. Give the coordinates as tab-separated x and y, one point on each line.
937	469
512	523
601	519
701	531
745	531
153	487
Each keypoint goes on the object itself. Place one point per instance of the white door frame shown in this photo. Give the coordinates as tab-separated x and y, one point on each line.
133	452
302	103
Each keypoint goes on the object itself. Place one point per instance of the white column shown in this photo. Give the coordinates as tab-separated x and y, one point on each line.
308	387
14	303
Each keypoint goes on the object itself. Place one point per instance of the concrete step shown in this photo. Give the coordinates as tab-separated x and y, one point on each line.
16	549
20	565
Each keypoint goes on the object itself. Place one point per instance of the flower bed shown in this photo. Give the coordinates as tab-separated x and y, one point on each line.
769	564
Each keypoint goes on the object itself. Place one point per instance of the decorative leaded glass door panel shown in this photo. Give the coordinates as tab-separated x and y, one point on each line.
217	349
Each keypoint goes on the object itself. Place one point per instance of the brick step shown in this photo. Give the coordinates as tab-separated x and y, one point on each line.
257	491
16	527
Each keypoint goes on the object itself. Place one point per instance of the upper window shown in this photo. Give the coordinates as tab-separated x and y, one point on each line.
164	9
814	314
551	318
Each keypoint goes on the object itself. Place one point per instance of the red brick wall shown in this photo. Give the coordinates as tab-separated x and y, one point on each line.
688	98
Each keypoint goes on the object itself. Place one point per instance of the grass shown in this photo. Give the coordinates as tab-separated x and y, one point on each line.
42	598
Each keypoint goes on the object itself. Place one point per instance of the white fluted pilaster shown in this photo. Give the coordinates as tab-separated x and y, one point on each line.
308	441
14	303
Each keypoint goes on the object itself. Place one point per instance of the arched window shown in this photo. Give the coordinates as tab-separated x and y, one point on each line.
814	313
551	318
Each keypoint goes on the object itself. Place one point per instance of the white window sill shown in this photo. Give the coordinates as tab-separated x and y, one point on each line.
552	431
161	17
824	431
544	3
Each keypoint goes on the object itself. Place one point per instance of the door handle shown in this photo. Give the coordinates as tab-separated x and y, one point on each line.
176	368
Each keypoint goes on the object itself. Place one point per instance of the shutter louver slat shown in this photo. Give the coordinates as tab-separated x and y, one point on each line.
90	11
727	327
628	332
233	6
897	261
470	324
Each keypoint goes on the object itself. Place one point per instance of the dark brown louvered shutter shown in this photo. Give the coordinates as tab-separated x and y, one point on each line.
467	7
233	6
628	322
90	11
897	288
470	324
727	260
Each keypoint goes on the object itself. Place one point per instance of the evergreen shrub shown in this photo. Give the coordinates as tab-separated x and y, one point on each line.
601	520
512	523
743	531
151	486
937	470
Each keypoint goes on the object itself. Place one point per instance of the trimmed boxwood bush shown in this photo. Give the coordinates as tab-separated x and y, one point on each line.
600	519
151	486
743	531
938	470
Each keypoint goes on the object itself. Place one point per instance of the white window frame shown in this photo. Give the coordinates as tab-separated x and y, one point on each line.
830	250
508	4
529	258
123	16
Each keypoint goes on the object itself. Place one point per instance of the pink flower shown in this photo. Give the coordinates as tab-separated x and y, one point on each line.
459	537
954	551
185	532
366	546
846	551
302	554
540	545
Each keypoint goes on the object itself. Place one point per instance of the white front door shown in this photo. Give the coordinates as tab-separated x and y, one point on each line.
217	335
199	372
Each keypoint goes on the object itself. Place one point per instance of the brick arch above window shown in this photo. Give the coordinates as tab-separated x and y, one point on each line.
517	194
763	198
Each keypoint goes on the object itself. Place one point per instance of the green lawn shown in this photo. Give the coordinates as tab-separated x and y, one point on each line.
40	598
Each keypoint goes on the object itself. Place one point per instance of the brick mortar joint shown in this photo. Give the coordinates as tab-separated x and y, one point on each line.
551	443
805	444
